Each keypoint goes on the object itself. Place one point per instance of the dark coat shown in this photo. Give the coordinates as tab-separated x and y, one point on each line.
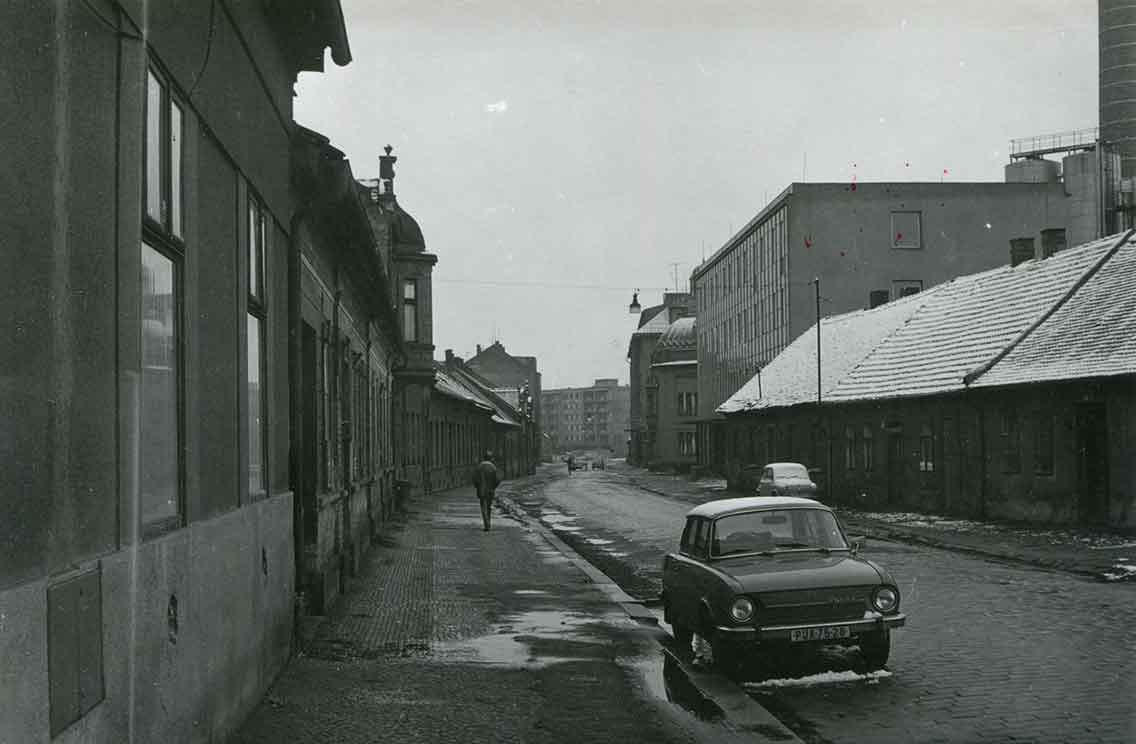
485	479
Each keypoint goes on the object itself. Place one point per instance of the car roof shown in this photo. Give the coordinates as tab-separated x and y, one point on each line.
779	465
720	507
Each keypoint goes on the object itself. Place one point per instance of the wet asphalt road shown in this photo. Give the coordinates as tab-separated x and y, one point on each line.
992	652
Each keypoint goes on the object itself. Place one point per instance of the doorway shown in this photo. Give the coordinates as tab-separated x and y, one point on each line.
1090	431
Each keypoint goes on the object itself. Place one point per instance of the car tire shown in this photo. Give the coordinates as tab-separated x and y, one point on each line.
727	656
683	636
875	647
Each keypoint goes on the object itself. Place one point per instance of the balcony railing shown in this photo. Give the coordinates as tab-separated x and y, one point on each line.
1046	144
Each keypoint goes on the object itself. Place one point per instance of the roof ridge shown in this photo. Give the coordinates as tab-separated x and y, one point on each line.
1087	274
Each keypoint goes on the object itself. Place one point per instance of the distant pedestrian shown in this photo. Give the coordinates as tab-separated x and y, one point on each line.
485	480
571	463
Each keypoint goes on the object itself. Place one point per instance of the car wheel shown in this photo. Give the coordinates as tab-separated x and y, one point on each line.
683	636
727	656
875	647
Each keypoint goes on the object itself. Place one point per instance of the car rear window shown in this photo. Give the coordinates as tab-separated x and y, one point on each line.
774	530
793	471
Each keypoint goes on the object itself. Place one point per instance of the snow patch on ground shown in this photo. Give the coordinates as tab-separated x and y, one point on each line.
824	678
549	517
1079	538
1120	572
598	541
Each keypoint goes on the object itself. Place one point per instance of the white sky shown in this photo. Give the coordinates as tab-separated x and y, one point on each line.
570	152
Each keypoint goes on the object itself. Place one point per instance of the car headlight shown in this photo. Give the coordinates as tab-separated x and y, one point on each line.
742	609
885	599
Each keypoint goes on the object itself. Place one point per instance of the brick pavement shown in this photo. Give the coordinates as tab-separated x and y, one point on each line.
451	634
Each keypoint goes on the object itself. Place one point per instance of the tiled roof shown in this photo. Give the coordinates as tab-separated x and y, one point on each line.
657	323
845	341
462	386
678	342
1057	318
1092	334
966	324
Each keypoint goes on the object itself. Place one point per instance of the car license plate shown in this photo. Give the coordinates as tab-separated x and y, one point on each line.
829	633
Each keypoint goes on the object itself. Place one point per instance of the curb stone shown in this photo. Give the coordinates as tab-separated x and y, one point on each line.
743	712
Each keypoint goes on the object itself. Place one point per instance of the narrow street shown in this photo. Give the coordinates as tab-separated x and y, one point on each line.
992	652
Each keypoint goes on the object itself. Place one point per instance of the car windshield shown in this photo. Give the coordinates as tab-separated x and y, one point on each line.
775	530
792	471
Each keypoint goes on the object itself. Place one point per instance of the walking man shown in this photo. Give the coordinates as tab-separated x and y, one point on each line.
485	480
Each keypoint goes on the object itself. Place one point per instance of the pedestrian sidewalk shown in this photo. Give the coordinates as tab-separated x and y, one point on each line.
1106	556
452	634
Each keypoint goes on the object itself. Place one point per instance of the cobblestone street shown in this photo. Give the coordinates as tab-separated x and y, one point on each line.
992	651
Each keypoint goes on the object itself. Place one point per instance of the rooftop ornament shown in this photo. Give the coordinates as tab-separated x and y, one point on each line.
635	308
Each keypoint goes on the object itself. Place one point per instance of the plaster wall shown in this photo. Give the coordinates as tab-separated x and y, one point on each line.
192	684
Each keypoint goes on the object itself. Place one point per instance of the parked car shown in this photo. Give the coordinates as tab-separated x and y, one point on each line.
786	479
764	573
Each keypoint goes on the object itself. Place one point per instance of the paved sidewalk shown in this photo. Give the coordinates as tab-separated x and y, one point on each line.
1106	556
452	634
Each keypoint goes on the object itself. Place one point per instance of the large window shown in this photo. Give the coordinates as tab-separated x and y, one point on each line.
160	436
161	257
687	404
410	309
256	408
686	444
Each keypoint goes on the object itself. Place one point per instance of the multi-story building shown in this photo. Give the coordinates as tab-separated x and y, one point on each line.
146	551
825	248
997	394
587	418
653	322
674	373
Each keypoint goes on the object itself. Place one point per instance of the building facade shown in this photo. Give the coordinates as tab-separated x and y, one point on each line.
674	370
515	379
653	322
147	553
866	243
587	418
996	395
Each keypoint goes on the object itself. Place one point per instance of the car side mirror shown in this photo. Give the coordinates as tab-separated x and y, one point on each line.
857	543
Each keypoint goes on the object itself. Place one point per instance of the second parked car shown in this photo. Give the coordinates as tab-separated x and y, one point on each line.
786	479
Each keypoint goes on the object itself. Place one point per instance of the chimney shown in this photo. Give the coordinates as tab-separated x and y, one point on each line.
1052	241
479	349
386	174
1021	249
449	356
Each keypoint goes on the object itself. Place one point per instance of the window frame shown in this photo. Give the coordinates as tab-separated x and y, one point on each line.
164	222
256	250
899	241
410	303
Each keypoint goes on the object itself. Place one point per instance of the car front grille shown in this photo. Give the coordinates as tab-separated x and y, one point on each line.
813	605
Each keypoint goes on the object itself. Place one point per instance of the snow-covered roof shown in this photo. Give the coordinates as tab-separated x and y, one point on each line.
1092	334
657	324
845	341
462	386
1053	318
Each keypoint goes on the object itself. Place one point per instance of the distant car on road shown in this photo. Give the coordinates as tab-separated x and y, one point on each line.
786	479
762	573
599	464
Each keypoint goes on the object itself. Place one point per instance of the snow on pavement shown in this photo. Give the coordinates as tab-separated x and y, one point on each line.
824	678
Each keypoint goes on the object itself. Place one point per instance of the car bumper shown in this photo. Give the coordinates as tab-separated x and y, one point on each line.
872	621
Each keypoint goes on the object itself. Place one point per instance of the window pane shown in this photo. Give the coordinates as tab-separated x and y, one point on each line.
154	147
253	250
159	395
410	290
256	472
175	169
410	322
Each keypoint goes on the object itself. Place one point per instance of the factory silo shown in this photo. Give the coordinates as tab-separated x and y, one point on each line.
1118	80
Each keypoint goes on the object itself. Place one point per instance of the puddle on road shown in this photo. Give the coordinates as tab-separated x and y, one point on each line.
538	638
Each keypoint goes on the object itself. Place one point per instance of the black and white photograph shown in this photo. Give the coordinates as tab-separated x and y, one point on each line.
582	371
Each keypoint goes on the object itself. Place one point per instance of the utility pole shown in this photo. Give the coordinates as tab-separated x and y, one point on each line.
816	283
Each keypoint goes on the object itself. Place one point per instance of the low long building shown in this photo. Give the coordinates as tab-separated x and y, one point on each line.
1010	393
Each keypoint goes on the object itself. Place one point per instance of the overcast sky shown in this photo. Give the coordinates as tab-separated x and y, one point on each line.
558	155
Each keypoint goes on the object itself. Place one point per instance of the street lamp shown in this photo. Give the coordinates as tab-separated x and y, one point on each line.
635	308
